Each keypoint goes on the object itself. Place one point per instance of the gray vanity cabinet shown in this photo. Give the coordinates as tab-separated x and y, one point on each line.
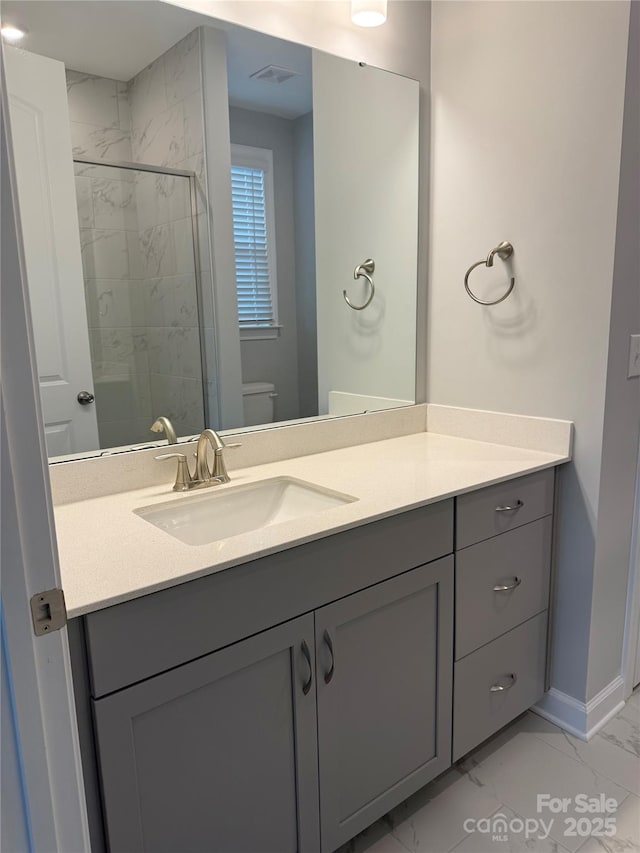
384	670
219	754
213	734
299	697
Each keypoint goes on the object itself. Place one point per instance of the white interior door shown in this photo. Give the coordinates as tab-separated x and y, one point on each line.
49	220
43	783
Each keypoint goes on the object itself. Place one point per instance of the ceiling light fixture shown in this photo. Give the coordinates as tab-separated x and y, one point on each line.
12	34
368	13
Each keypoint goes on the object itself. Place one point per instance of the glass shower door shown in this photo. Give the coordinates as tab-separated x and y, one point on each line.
141	286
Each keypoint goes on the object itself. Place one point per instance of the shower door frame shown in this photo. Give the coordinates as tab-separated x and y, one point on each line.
191	175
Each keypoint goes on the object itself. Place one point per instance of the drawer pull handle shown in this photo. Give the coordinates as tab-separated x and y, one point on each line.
306	687
498	688
503	587
329	673
510	507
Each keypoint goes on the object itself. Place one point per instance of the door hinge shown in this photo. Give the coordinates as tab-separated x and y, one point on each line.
48	611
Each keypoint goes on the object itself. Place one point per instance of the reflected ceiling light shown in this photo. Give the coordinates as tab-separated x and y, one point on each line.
368	13
12	34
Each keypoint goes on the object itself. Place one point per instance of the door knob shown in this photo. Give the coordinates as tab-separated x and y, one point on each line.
85	398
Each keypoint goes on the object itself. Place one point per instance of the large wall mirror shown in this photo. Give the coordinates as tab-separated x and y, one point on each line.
220	227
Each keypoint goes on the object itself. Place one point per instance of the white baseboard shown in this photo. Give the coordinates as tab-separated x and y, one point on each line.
582	719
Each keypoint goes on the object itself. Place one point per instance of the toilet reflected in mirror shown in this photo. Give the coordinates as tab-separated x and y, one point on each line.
258	401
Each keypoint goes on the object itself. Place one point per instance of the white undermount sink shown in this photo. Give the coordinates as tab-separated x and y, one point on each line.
212	515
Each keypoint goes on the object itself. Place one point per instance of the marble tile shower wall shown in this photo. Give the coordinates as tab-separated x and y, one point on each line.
170	300
112	269
99	117
167	130
140	293
137	243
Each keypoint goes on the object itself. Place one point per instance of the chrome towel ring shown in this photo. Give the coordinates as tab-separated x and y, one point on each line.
364	270
503	251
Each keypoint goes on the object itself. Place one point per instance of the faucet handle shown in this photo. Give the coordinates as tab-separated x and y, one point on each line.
183	474
219	467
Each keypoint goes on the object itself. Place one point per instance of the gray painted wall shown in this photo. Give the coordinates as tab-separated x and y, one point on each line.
402	45
275	360
545	175
622	402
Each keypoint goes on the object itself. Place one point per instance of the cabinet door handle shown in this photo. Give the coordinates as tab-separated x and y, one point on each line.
306	687
498	688
510	507
329	673
503	587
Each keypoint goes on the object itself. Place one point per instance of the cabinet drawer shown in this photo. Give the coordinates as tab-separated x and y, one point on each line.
515	662
520	560
503	507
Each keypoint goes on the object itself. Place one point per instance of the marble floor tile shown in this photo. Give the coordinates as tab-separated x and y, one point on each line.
627	837
613	752
433	819
504	832
515	772
515	764
623	732
632	709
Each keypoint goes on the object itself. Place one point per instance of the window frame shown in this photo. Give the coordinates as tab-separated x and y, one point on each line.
251	157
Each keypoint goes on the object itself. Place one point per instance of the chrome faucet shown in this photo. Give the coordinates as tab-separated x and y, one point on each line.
203	476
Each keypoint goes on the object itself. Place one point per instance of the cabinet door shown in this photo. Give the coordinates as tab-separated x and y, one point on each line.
384	671
218	755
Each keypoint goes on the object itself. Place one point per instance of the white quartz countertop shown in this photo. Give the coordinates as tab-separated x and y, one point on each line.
108	554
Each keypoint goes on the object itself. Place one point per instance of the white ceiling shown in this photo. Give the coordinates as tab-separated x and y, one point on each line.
103	37
247	52
118	38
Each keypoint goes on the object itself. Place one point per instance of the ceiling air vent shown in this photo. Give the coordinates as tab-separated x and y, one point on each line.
274	74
